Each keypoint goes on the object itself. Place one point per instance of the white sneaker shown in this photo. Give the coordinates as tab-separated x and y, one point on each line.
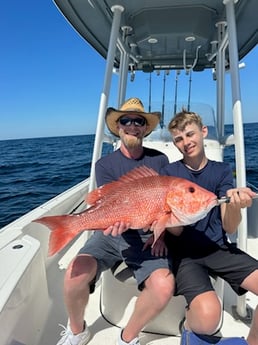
68	338
120	341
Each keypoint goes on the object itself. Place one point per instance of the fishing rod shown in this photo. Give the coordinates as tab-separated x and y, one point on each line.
189	90
176	87
226	199
166	73
150	93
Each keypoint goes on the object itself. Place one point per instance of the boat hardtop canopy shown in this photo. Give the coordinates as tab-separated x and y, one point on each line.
163	34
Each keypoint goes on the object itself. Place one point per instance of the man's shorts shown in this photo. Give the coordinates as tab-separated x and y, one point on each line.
128	247
228	262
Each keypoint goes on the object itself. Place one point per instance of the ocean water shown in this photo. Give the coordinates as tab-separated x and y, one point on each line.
33	171
251	153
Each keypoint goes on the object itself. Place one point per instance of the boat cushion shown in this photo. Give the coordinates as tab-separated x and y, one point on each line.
123	273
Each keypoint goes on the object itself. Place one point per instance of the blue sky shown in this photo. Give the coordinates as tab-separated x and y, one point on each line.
51	79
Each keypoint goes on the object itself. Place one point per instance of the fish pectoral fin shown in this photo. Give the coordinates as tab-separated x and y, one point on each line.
159	226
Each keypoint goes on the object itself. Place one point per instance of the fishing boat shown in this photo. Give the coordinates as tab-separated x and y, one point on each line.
134	37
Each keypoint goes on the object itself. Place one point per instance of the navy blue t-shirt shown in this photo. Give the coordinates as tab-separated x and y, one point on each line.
207	233
113	166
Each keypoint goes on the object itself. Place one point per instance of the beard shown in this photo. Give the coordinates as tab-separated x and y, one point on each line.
130	141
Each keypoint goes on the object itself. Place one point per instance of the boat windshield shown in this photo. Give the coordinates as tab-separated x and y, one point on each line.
204	110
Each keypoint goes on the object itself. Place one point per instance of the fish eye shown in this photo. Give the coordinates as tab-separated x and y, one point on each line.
191	189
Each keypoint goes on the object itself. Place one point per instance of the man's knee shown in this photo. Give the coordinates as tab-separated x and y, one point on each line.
205	313
162	282
83	268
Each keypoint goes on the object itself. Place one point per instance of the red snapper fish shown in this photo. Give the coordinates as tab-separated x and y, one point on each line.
139	197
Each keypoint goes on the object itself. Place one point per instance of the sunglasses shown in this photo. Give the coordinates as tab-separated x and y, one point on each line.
127	121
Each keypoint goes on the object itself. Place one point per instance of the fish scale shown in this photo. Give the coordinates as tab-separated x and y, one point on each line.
120	205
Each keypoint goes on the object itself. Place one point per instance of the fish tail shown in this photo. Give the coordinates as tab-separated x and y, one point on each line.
63	230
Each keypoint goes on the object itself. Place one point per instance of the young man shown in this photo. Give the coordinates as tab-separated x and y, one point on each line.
103	251
203	248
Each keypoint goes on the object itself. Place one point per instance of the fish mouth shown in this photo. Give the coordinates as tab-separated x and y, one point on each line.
213	202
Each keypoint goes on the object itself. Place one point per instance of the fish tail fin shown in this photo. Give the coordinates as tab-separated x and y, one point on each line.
63	230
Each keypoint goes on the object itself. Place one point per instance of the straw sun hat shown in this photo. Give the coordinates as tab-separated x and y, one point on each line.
133	106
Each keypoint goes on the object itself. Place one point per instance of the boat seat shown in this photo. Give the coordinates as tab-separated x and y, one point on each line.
119	292
22	281
123	273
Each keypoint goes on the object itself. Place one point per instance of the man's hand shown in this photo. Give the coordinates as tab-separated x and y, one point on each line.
117	229
159	248
241	197
230	212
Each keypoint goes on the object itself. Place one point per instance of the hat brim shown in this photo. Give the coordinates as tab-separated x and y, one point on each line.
112	116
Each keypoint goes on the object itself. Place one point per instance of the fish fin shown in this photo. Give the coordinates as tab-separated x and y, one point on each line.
137	173
93	197
63	230
98	194
160	226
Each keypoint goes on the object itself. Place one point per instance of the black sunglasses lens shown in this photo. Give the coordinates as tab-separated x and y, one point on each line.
139	121
127	121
